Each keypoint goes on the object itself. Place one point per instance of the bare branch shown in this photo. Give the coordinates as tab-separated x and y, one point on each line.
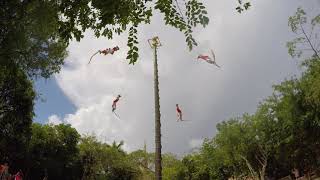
252	172
305	49
311	45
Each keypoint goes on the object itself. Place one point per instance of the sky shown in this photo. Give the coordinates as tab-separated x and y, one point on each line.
249	47
51	100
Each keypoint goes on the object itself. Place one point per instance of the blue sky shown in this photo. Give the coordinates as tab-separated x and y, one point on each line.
52	100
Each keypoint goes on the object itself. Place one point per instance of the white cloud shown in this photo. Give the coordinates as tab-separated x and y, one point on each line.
195	143
54	119
98	119
250	48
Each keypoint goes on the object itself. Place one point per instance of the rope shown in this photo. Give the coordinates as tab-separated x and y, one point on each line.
179	9
116	115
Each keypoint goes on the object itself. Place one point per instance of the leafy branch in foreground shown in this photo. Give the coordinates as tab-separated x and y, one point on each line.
109	17
243	6
307	40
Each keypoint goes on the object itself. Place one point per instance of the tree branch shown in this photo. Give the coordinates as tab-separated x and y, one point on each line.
309	42
252	172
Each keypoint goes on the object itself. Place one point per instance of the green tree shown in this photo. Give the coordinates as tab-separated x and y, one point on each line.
29	36
281	135
297	104
16	113
145	162
307	32
109	17
102	161
173	168
231	140
53	151
298	99
214	159
243	146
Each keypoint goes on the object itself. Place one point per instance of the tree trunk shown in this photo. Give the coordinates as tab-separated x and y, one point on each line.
252	172
264	164
158	166
263	172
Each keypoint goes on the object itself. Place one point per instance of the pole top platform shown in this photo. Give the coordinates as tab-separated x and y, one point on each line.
154	42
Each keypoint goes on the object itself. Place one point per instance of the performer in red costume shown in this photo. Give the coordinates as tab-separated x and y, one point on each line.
208	59
204	57
109	50
105	52
179	113
18	176
114	104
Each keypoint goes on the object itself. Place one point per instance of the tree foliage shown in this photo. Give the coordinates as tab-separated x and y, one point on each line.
307	32
35	34
53	152
109	17
58	152
29	36
102	161
16	113
243	5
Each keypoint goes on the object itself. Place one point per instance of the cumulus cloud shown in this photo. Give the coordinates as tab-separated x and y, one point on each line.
195	143
250	48
54	119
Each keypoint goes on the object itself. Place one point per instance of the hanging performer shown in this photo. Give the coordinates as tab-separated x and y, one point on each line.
105	52
179	113
114	104
208	59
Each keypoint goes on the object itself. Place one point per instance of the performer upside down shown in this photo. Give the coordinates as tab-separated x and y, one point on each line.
208	59
109	50
114	104
105	52
179	113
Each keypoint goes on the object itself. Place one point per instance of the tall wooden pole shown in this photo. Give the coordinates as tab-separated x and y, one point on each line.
155	43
